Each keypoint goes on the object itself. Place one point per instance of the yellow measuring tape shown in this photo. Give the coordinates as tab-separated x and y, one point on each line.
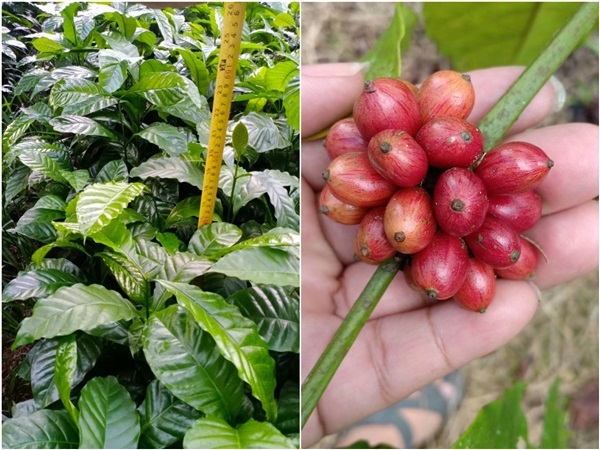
231	38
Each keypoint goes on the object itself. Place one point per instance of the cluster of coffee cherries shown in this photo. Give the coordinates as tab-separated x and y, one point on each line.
410	170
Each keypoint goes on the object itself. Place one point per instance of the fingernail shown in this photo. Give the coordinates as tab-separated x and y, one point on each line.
537	290
334	70
560	95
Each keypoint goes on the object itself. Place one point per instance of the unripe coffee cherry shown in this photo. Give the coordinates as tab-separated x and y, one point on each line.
521	211
513	167
495	243
524	268
409	222
344	137
450	142
446	93
353	180
338	211
371	244
440	269
459	201
479	288
386	103
397	157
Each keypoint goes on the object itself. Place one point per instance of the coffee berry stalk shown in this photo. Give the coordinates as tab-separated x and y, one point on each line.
413	168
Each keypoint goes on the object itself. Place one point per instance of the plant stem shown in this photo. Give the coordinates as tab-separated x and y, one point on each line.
231	198
494	126
323	371
503	114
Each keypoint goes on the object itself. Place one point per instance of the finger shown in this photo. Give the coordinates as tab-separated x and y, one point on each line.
328	93
570	240
574	149
320	266
398	355
314	161
491	84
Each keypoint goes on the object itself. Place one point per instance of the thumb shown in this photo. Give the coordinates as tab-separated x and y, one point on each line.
328	93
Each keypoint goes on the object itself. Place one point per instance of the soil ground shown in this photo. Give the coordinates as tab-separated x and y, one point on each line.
562	340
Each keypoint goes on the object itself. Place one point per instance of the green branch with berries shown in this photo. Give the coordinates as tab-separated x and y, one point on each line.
387	151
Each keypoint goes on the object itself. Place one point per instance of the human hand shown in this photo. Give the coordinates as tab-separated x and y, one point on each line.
409	342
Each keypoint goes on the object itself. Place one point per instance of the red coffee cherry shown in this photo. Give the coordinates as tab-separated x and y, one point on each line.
513	167
440	269
459	201
409	222
521	211
524	268
371	244
479	288
397	157
344	137
446	93
353	180
386	103
338	211
495	243
450	142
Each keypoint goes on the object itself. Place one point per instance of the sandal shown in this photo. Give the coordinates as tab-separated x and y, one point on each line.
429	398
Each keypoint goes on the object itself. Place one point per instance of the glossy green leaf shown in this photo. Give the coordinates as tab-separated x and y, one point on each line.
77	179
278	77
385	57
16	182
80	125
113	171
499	424
108	416
555	433
281	238
288	418
80	97
261	265
36	221
170	139
186	360
99	204
170	242
164	418
119	43
50	163
197	68
275	312
291	103
73	308
214	237
284	20
40	429
274	182
112	76
185	209
16	129
128	275
166	29
65	368
213	432
236	337
37	283
520	31
63	265
247	187
239	138
176	168
161	89
263	134
45	45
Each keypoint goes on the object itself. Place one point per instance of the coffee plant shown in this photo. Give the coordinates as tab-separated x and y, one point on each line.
140	329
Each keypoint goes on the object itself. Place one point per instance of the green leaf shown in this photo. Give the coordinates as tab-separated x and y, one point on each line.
16	182
288	418
284	20
128	275
179	169
281	238
47	160
166	29
555	433
65	368
161	89
40	429
77	179
73	308
275	312
291	103
237	339
213	432
210	239
385	57
186	360
80	97
274	183
519	33
170	242
45	45
197	68
239	139
99	204
278	77
36	221
164	418
170	139
263	134
183	210
108	417
499	424
80	125
37	283
261	265
119	43
15	130
112	76
113	171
